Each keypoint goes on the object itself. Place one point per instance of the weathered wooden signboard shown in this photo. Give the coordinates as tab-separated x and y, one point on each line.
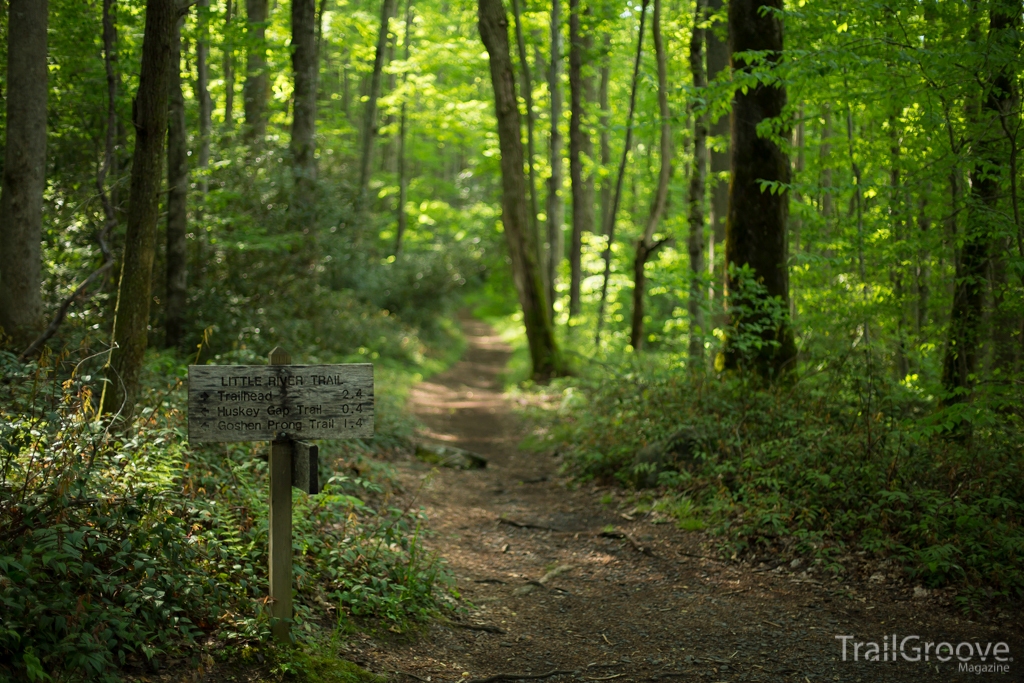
264	402
286	405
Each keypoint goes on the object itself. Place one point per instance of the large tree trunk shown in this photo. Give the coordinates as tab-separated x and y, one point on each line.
544	353
203	93
960	361
756	228
133	295
403	179
627	146
177	201
256	88
303	143
387	10
646	246
555	205
527	88
580	91
229	70
718	62
695	199
24	172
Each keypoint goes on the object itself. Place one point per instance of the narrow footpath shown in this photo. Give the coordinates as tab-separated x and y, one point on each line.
557	581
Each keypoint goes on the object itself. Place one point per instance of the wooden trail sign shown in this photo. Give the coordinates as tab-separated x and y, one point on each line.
281	403
262	402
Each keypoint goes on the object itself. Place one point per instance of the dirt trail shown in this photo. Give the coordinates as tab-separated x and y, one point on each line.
649	607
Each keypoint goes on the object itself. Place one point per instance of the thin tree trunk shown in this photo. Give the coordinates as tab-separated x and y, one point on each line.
346	98
646	246
369	132
110	197
960	360
857	198
796	223
826	171
114	124
605	123
897	219
389	158
131	319
756	227
303	143
718	62
203	93
527	88
695	199
229	70
609	227
555	205
403	180
24	172
922	274
177	202
580	146
257	80
1004	320
547	361
109	165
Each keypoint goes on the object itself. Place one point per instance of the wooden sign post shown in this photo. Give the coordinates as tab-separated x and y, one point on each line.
281	403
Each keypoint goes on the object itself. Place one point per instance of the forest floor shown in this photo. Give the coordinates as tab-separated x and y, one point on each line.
551	588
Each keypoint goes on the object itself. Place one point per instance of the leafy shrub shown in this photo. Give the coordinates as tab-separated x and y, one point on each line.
120	549
843	458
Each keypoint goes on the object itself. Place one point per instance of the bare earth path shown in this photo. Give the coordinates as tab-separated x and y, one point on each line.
649	607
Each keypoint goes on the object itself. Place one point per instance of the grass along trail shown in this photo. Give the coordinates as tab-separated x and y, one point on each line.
553	593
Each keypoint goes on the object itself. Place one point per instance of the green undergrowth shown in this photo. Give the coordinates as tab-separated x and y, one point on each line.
311	665
840	460
123	548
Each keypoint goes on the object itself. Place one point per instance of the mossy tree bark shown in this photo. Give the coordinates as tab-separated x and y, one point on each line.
131	319
756	227
547	361
24	172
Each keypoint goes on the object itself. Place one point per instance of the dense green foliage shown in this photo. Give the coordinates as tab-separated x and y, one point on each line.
122	546
842	460
125	549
